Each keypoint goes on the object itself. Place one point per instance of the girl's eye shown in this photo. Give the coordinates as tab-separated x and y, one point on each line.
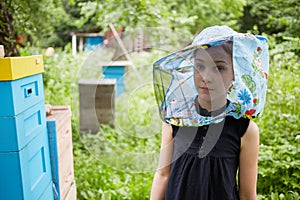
199	67
220	68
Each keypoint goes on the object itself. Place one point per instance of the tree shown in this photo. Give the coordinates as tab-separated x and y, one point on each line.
7	31
197	15
33	19
50	21
272	17
177	14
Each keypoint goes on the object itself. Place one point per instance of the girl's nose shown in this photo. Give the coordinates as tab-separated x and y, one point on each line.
206	75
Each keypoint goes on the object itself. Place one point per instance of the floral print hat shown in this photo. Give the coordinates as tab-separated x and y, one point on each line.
174	84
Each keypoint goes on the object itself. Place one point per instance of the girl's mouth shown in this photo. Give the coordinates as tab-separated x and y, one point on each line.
205	88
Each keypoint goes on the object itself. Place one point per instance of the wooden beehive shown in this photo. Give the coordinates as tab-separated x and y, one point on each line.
72	192
61	148
97	103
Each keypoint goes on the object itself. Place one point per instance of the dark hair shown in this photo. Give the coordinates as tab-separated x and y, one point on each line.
226	46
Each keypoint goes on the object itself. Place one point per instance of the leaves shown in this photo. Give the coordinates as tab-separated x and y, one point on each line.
279	158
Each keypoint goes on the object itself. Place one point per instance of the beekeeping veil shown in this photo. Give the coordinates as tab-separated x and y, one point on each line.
174	84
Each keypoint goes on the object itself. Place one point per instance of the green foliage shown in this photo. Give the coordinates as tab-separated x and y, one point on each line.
49	22
107	167
273	17
186	16
60	78
95	180
197	15
129	14
33	24
41	23
124	158
279	158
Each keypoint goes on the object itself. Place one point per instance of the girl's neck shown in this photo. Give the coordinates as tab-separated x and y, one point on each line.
212	105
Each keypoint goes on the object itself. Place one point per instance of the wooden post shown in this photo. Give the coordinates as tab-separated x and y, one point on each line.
80	44
74	45
2	53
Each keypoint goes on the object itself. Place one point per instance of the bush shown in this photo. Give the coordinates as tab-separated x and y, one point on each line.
279	158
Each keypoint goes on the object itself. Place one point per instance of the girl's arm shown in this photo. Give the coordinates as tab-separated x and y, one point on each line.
161	176
248	163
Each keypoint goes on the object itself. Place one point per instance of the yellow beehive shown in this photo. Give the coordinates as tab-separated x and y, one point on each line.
12	68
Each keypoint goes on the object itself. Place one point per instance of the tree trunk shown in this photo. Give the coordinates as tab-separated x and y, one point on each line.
7	34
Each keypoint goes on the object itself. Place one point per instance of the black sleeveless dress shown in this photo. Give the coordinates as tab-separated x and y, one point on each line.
210	175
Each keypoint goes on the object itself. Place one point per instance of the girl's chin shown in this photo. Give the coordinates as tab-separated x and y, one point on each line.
207	98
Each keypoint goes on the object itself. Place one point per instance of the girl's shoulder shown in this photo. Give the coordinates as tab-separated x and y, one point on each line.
240	125
252	131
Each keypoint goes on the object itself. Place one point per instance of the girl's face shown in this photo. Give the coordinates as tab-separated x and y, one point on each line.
213	73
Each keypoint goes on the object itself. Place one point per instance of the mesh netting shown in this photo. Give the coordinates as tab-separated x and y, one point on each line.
174	83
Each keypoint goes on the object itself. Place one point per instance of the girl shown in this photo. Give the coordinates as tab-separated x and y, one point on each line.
206	143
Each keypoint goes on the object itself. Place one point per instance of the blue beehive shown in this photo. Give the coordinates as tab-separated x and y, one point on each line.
21	94
115	72
51	128
25	174
25	171
93	41
17	131
48	192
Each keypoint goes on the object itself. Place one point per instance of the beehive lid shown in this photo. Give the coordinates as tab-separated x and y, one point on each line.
12	68
97	82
